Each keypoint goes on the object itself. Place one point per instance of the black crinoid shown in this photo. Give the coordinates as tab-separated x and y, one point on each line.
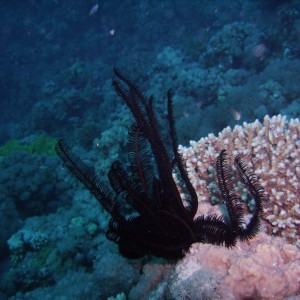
158	222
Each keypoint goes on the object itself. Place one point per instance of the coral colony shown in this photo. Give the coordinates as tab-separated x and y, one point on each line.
272	148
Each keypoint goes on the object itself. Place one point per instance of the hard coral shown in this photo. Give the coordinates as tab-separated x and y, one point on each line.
264	268
232	46
273	149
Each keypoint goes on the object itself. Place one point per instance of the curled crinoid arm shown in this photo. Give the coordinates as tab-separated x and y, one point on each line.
256	190
230	198
233	201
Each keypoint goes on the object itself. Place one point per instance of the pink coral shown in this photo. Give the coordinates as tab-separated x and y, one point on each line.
265	268
273	150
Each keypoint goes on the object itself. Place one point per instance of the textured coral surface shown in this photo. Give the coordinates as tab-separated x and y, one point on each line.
272	148
265	268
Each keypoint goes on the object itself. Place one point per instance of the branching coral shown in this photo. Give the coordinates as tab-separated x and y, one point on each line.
273	148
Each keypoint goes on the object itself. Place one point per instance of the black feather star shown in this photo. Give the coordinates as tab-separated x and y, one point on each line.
158	222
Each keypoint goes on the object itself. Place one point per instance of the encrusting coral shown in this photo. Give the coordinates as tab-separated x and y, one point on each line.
265	268
273	150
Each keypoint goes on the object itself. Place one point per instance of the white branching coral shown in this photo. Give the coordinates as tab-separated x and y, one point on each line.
273	150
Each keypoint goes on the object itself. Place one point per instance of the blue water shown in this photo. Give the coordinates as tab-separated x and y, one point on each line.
228	62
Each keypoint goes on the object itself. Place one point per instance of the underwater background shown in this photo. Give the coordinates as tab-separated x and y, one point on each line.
228	62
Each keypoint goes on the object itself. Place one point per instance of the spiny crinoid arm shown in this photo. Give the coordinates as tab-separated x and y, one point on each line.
214	229
133	98
86	175
140	157
230	198
232	201
256	190
133	195
142	110
193	201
